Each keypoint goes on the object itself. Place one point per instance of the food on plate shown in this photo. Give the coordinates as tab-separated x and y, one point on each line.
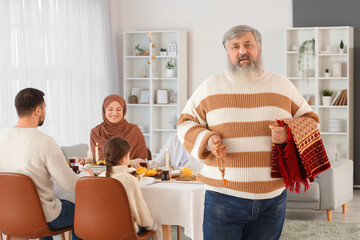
141	170
186	172
151	172
101	163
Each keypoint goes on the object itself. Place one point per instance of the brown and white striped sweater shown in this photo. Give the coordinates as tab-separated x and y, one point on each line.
240	113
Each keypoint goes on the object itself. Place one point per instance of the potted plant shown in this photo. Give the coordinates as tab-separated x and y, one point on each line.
326	96
341	47
308	46
327	73
163	52
133	99
139	51
170	68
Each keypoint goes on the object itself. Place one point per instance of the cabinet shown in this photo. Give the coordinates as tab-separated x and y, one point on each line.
145	74
309	76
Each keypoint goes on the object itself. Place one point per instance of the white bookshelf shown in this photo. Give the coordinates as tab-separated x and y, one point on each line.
148	72
327	40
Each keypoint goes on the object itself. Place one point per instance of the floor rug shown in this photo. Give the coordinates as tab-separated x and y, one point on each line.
317	230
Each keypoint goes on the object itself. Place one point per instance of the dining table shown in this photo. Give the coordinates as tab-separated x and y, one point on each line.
176	203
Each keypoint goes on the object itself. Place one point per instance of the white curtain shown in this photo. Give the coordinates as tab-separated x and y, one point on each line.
64	48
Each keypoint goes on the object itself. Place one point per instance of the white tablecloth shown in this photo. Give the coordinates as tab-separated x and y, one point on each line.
177	204
169	204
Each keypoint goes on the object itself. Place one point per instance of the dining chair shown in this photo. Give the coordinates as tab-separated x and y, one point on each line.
107	215
21	213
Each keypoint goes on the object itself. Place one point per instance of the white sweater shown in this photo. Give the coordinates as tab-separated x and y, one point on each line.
139	209
30	152
240	113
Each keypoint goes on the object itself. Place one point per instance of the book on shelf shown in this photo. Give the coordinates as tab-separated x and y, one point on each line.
336	97
341	98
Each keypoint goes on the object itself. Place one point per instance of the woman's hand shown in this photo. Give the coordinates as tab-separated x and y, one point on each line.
136	162
80	160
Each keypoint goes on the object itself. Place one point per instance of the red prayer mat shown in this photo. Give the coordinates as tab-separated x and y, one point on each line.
302	156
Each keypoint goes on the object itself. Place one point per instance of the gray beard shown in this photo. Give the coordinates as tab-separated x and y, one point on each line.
246	72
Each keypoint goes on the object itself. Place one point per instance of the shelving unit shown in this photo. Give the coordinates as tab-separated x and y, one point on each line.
312	81
148	72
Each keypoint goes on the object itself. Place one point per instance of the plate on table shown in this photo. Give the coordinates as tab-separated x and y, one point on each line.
146	181
97	169
181	178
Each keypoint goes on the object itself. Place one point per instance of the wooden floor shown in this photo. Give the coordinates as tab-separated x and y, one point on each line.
352	215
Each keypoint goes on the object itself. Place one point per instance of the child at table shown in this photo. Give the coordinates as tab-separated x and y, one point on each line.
117	156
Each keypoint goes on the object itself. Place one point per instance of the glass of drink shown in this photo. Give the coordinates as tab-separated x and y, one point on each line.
143	164
71	160
165	175
75	168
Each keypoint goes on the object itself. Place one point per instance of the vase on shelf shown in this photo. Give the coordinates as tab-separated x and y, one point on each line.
170	73
326	100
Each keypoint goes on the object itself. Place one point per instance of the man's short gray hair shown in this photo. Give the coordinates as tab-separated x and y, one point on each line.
236	31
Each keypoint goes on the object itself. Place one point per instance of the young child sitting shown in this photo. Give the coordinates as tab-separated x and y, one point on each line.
117	156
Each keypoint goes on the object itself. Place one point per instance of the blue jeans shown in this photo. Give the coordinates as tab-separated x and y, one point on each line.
141	230
65	219
230	218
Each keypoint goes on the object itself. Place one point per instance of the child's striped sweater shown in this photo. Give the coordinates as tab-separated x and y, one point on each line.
240	113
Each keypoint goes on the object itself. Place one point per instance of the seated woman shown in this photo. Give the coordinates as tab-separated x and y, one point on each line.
117	156
114	124
178	156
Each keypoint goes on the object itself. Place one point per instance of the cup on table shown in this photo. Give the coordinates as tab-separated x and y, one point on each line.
165	175
143	164
73	164
75	168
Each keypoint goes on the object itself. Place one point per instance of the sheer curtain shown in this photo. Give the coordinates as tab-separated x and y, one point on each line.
64	48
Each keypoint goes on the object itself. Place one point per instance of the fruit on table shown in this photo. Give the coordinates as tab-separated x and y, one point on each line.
141	170
151	172
186	172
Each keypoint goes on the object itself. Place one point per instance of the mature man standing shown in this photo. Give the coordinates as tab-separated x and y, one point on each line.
235	113
26	150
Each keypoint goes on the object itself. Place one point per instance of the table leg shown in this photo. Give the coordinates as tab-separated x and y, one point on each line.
166	232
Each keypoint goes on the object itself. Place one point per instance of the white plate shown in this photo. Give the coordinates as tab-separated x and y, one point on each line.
146	181
97	169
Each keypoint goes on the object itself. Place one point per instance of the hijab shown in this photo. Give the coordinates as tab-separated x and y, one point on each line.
106	130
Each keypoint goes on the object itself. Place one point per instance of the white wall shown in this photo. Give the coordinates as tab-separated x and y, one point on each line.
206	21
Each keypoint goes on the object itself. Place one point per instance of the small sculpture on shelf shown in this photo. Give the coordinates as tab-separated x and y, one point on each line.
172	49
172	96
327	73
341	46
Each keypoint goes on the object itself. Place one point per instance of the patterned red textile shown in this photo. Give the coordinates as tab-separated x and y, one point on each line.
302	156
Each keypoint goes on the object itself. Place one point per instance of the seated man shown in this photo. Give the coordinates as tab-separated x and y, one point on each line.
178	156
28	151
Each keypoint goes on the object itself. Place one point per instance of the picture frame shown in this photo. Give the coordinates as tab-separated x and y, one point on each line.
136	91
144	96
162	96
336	69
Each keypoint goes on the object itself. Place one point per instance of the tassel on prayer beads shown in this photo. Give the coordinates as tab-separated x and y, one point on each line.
220	163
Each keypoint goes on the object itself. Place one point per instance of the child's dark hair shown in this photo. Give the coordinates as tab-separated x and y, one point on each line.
114	150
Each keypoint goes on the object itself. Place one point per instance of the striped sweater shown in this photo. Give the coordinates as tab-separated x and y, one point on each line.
240	113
